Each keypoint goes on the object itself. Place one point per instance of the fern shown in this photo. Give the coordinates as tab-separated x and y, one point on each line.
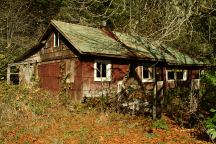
160	124
211	125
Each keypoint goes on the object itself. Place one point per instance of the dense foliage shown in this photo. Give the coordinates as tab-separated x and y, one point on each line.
211	125
186	25
189	26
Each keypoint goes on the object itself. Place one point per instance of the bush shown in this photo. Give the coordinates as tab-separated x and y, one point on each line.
26	100
160	124
208	89
176	103
211	125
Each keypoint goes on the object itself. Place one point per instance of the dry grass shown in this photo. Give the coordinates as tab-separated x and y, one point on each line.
34	116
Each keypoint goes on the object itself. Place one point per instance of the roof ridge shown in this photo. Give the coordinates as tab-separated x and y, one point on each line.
53	21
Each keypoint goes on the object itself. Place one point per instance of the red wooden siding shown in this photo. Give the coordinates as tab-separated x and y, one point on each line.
119	71
49	76
76	87
83	83
89	87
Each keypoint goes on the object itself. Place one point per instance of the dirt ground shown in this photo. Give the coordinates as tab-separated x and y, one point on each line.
61	125
37	117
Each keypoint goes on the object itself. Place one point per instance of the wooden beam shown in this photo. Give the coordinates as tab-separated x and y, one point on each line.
8	75
21	63
154	106
14	73
160	92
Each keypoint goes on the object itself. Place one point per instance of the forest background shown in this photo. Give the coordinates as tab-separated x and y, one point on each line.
188	25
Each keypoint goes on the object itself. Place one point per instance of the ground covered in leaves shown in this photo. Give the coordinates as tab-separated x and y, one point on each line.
33	116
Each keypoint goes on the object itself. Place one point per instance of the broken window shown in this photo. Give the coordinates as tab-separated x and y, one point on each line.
147	74
14	75
171	75
102	71
176	74
180	75
48	44
196	74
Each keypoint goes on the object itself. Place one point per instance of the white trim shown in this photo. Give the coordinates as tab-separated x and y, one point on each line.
175	75
167	75
108	70
54	39
184	75
151	76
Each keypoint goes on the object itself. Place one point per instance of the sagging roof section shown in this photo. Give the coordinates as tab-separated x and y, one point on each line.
160	52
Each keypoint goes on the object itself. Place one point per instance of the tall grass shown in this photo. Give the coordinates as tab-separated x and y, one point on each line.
19	107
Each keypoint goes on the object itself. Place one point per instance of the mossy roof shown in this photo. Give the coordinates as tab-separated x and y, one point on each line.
94	41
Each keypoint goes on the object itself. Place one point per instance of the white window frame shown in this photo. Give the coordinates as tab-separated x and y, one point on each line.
56	36
108	70
167	75
175	75
151	76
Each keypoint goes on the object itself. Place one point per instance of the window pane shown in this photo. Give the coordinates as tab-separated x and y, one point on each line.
103	70
145	73
170	75
56	39
98	69
196	74
179	75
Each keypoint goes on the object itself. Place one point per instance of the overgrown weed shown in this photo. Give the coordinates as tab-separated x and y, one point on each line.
160	124
41	115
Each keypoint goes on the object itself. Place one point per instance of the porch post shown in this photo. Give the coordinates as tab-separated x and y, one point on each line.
161	90
8	74
154	106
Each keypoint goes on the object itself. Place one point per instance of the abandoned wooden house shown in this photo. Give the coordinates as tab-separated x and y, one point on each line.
92	61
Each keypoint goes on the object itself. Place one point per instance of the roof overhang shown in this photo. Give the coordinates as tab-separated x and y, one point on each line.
53	26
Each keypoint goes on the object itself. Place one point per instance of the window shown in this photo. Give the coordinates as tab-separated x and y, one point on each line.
196	74
176	75
147	74
171	75
102	71
56	40
45	49
180	75
48	43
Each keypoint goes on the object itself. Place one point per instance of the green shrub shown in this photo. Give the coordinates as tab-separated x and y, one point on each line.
21	98
208	89
160	124
211	125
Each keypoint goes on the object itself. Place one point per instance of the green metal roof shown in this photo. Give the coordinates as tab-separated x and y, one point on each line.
89	40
